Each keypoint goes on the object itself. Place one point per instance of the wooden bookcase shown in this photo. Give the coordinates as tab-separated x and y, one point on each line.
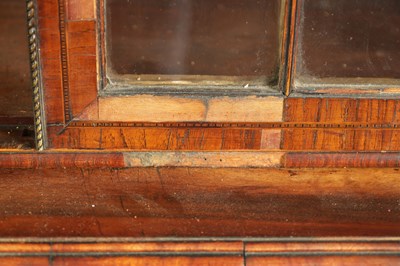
302	170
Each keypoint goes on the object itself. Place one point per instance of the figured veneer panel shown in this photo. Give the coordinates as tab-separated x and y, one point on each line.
80	9
241	139
68	57
120	138
211	139
50	53
333	110
61	160
185	139
342	140
82	66
271	139
335	160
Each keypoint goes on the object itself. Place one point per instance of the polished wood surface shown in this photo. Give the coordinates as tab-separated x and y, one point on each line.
342	111
318	124
240	159
51	60
195	202
201	252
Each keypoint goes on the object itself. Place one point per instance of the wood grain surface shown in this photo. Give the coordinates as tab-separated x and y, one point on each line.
174	108
82	66
194	202
245	251
50	53
54	160
29	159
326	110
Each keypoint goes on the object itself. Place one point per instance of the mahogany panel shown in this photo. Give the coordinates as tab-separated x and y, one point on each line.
50	55
332	110
82	66
342	140
193	202
240	139
271	139
337	160
142	138
60	160
81	9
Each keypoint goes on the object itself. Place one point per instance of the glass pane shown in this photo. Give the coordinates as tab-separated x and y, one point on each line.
16	107
15	79
341	40
219	41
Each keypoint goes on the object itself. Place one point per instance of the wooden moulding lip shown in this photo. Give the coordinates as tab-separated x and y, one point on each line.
54	159
200	246
253	240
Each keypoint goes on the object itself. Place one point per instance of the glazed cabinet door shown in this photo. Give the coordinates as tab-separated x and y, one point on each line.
271	76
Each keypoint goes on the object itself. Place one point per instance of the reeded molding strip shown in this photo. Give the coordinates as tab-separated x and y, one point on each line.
36	76
237	125
64	60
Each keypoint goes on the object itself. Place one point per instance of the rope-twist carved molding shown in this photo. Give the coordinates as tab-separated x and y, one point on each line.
35	72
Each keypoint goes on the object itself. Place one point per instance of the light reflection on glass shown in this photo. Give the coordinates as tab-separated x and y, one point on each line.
217	40
347	39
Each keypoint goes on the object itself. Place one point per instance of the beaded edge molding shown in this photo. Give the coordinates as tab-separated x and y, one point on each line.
36	75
